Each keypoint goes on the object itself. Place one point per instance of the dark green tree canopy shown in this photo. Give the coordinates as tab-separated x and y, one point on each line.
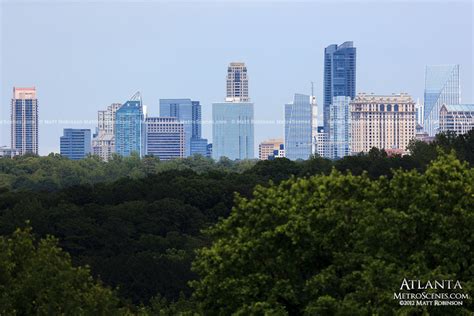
341	244
39	279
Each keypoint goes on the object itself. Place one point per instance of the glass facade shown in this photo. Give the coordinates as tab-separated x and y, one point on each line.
442	86
129	129
339	75
457	118
199	146
165	137
233	130
75	143
298	128
339	127
187	112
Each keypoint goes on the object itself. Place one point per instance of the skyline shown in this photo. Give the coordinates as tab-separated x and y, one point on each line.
85	80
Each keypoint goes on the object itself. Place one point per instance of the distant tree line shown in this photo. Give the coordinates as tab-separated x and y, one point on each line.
54	172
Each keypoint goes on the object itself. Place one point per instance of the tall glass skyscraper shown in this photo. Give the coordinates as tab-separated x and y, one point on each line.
442	86
75	143
339	75
299	127
232	128
189	113
129	127
339	127
24	121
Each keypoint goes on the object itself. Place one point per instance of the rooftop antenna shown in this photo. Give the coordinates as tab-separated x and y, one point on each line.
312	88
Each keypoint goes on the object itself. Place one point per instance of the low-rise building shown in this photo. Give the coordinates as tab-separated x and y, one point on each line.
458	118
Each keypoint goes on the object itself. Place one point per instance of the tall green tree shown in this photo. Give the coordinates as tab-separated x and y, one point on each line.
342	244
37	278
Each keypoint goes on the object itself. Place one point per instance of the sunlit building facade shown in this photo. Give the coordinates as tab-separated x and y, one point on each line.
271	148
382	121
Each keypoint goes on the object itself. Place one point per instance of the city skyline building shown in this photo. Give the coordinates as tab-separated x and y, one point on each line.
165	137
24	120
129	127
274	147
298	127
322	143
232	120
339	75
199	146
189	113
103	143
383	121
457	118
75	143
442	86
8	152
237	83
233	130
420	109
339	127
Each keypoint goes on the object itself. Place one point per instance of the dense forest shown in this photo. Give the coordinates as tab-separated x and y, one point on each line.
195	236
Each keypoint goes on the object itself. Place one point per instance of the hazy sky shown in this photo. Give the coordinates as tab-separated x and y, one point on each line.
83	56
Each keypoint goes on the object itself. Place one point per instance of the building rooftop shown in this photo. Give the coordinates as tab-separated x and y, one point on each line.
383	98
459	107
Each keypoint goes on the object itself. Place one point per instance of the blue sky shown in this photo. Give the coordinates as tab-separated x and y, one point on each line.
83	56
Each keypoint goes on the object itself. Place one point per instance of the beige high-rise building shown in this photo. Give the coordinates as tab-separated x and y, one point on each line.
103	144
237	83
382	121
271	148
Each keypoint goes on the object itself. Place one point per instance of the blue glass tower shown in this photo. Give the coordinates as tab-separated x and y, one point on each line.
298	128
442	86
232	121
232	130
339	127
75	143
339	75
129	127
189	113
